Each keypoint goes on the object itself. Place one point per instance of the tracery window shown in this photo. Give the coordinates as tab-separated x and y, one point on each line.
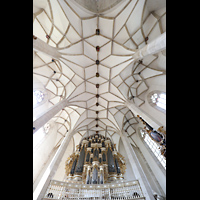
38	96
154	147
157	99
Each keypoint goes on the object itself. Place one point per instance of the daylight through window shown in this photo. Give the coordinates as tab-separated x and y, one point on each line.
159	100
154	147
38	96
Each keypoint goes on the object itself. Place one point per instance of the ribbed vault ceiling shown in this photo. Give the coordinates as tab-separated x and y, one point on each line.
72	31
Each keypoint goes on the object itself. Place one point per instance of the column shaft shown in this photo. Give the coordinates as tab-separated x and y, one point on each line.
47	115
39	45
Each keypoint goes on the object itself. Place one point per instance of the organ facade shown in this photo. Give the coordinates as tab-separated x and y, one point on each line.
95	161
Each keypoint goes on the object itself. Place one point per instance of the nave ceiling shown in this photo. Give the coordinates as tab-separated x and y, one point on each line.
71	31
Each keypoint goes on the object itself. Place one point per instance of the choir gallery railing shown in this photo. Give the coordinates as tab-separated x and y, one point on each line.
112	191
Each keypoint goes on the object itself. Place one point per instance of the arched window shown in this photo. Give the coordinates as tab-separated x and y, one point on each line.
157	99
154	147
38	97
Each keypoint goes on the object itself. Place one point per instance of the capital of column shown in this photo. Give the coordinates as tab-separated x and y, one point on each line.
155	46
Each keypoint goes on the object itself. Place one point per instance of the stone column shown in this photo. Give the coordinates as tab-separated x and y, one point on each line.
155	46
44	117
41	46
137	169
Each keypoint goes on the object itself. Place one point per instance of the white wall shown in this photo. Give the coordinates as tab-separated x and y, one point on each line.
43	144
43	150
157	83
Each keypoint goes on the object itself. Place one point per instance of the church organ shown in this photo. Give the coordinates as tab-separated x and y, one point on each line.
95	161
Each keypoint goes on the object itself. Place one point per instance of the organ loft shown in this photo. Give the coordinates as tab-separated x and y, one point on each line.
95	161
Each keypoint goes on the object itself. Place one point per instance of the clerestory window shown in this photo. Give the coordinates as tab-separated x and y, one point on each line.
157	99
38	97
